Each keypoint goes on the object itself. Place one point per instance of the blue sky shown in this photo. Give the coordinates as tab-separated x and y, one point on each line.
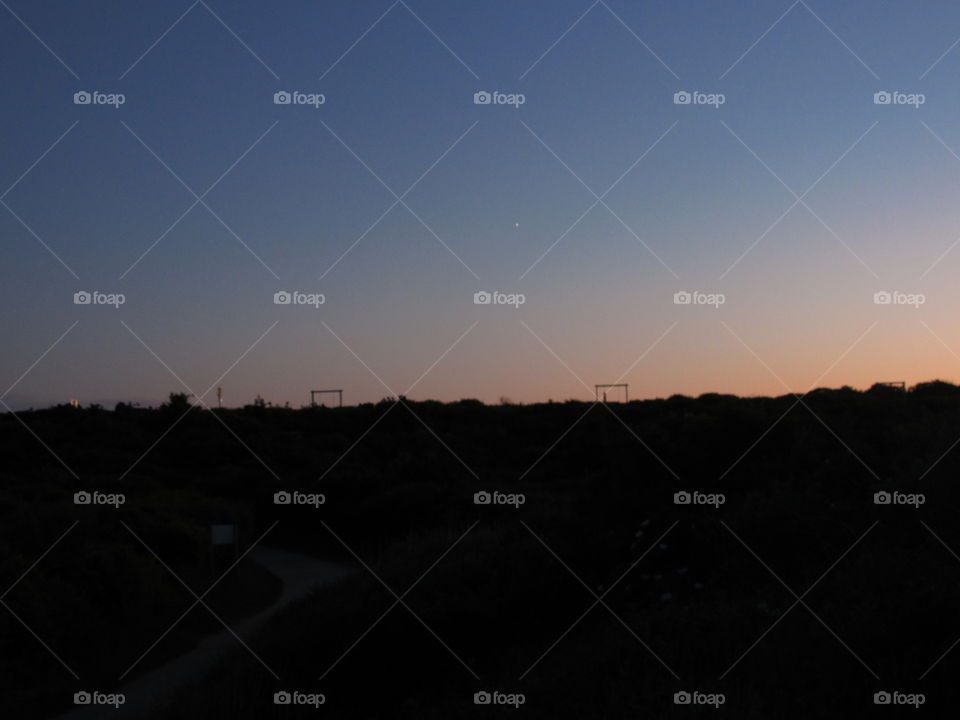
704	206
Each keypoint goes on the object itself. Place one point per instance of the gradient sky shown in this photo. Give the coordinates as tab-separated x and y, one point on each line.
599	80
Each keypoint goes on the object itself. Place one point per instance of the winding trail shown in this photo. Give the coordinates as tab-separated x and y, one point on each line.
299	574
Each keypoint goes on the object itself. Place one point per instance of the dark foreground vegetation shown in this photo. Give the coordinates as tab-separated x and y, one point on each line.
499	597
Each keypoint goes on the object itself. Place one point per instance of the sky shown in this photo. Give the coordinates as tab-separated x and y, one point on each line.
782	198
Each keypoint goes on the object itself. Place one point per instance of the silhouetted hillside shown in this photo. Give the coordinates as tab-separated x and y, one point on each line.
588	502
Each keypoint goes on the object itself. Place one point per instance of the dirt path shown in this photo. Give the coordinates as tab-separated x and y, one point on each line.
299	574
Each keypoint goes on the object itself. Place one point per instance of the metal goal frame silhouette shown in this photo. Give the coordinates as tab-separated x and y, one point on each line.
598	388
314	393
